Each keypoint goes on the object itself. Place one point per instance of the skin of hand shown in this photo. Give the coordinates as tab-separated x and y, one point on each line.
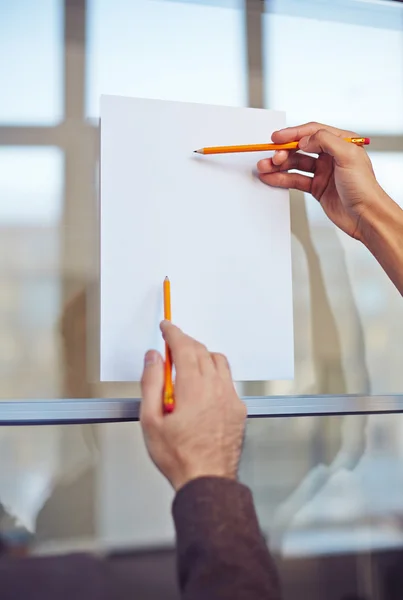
343	179
203	436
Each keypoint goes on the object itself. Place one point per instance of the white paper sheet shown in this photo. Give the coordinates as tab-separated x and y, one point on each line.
207	222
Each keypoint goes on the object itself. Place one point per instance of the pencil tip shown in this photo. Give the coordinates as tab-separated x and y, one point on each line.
199	151
167	278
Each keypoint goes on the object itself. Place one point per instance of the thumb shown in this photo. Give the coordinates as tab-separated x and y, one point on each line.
344	153
152	387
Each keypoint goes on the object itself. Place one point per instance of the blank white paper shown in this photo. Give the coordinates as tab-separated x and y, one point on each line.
207	222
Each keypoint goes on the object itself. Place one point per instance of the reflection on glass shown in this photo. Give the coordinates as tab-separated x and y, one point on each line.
366	308
47	495
167	50
326	489
348	74
31	67
334	487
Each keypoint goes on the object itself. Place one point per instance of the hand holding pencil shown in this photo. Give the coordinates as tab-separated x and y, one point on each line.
341	178
203	436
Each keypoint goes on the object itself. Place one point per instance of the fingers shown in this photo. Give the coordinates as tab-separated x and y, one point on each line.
188	355
291	134
314	138
293	181
191	356
280	157
152	387
222	365
180	346
344	153
295	160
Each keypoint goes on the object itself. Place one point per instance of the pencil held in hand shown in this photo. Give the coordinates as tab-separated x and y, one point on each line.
169	402
268	147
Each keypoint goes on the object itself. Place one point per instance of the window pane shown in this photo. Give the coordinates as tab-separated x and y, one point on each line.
388	167
343	67
31	191
167	50
30	186
31	66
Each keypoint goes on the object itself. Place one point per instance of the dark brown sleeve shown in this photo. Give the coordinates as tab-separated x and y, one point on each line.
221	552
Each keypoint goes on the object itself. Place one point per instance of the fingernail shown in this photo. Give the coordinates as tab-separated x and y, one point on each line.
303	142
151	358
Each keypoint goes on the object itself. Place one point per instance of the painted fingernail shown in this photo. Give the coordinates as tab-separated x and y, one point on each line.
151	358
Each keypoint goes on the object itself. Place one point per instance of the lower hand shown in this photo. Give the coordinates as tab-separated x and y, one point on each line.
343	179
203	435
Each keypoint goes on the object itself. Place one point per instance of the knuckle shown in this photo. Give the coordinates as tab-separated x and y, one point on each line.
201	349
222	358
222	365
321	132
314	126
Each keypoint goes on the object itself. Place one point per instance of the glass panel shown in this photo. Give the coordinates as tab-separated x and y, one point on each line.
328	493
34	199
361	350
342	63
47	488
31	69
327	490
169	50
31	181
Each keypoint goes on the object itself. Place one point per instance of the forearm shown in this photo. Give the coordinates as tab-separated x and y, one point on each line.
221	552
383	236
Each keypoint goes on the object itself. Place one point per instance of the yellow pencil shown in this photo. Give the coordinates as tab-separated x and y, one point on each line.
362	141
169	402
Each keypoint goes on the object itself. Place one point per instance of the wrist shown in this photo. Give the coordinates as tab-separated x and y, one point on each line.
380	218
383	235
181	480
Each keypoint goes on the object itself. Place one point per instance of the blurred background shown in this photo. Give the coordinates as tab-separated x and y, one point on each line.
329	490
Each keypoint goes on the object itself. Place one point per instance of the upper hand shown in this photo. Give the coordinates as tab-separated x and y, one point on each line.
203	435
343	179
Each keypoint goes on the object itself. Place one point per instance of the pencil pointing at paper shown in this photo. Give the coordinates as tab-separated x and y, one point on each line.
358	141
169	400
